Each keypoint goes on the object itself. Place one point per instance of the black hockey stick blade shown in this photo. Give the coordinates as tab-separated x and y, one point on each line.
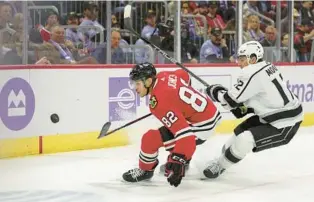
128	25
104	130
107	125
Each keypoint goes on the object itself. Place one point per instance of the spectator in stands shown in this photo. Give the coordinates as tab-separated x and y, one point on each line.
60	51
114	22
228	9
245	24
5	22
249	6
71	34
13	55
117	54
303	40
80	17
285	40
306	11
90	36
185	8
284	49
150	28
215	49
270	37
213	19
194	6
254	32
200	24
141	53
5	15
56	49
285	22
52	20
15	44
127	50
17	25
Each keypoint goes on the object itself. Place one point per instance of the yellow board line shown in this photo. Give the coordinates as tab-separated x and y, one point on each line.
59	143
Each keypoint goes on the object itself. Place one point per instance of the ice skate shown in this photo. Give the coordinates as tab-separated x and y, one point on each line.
214	170
137	175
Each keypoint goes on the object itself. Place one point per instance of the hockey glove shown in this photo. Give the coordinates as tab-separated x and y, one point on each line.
213	90
175	168
241	111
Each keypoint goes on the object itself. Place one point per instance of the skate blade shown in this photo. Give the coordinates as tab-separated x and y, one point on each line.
144	183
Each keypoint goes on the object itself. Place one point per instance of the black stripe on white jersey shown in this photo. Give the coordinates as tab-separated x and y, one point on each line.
283	115
247	84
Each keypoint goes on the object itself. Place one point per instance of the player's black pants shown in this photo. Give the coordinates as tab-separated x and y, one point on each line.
265	135
166	136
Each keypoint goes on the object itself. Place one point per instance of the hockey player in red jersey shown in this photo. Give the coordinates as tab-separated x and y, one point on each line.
189	118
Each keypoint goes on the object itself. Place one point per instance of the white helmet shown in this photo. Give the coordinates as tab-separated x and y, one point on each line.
251	48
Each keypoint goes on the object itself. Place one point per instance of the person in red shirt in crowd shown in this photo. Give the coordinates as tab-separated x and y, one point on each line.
303	40
213	19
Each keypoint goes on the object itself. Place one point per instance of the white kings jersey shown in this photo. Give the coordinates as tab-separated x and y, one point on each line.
262	87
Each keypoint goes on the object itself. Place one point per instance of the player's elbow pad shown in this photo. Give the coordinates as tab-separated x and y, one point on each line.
186	146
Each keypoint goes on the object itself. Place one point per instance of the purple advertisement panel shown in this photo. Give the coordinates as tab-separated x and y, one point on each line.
123	99
17	104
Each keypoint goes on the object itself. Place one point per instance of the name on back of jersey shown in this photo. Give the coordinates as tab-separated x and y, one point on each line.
271	70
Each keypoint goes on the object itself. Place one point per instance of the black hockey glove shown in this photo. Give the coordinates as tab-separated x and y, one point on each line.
213	90
175	168
241	111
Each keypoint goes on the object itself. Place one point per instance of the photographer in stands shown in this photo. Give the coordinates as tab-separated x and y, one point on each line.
189	52
215	49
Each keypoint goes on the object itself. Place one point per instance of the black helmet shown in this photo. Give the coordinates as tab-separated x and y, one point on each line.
143	71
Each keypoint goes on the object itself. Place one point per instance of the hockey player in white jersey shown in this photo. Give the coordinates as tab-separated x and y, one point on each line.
261	90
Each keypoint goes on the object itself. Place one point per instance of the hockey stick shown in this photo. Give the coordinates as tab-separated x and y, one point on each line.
107	125
128	25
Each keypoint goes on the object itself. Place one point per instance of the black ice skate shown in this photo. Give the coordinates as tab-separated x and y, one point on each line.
137	175
213	170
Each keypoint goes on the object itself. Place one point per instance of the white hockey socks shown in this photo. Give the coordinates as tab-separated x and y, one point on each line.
239	147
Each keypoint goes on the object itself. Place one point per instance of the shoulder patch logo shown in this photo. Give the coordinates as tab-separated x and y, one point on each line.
153	102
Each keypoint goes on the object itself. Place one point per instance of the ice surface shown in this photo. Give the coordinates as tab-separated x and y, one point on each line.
282	174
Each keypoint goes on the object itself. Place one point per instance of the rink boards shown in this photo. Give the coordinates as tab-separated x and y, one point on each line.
85	97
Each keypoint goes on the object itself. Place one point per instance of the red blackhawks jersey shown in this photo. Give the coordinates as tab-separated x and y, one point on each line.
182	109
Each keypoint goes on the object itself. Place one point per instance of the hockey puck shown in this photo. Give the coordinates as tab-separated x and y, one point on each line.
54	118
